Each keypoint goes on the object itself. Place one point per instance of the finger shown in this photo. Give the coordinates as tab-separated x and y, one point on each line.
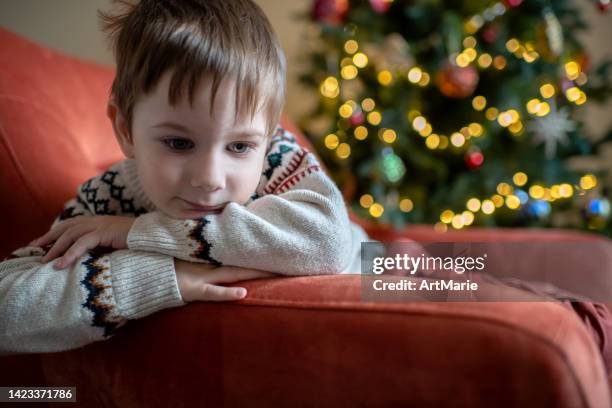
82	245
54	233
63	243
219	293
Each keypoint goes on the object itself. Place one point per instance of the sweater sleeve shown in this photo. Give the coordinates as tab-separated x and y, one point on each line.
48	310
295	224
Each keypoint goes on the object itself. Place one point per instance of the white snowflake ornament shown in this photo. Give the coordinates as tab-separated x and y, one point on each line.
552	129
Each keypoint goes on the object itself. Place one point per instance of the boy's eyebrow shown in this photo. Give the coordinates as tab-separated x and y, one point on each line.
172	125
247	133
253	133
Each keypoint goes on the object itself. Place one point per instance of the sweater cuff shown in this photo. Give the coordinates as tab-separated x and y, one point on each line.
153	232
144	283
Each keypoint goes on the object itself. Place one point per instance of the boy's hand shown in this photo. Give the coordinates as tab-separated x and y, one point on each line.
198	282
77	235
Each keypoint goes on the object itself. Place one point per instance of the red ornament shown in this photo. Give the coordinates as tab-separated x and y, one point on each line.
380	6
489	34
457	82
332	12
357	119
474	159
512	3
603	5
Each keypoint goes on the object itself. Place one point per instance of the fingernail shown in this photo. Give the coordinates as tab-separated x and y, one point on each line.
58	265
241	292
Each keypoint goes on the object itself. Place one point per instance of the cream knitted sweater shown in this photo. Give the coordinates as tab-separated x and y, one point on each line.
296	223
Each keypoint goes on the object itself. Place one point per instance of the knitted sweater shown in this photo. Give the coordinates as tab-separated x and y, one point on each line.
295	223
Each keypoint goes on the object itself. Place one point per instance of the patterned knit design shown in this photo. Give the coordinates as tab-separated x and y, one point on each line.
202	252
98	286
104	195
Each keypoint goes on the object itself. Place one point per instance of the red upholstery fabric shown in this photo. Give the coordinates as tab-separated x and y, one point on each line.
293	341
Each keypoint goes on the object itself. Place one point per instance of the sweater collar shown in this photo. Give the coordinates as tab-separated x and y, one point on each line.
133	183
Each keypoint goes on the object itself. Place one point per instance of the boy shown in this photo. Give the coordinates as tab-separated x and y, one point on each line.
210	186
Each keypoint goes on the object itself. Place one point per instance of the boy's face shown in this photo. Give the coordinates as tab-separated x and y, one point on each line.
186	157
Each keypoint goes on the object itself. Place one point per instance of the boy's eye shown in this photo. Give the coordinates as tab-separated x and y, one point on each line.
178	144
239	147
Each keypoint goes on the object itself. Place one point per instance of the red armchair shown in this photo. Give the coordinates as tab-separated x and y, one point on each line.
306	341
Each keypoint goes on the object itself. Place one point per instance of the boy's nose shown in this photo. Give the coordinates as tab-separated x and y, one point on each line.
208	176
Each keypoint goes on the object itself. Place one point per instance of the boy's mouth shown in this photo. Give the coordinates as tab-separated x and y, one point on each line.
199	207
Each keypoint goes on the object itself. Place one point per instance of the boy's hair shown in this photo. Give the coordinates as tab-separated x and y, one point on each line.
194	38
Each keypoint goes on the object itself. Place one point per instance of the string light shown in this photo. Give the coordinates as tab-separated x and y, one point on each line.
376	210
513	202
504	189
345	110
343	151
443	142
424	81
389	136
572	94
374	118
447	216
572	70
406	205
360	60
457	221
491	113
479	102
543	109
426	131
475	129
385	77
329	88
499	62
468	218
462	60
360	132
547	91
331	141
487	207
536	191
368	104
432	141
512	45
533	105
457	139
485	60
469	42
519	178
348	72
419	123
366	200
497	200
470	54
588	181
415	74
473	204
351	46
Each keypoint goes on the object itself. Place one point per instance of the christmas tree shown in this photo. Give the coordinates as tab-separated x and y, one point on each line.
457	114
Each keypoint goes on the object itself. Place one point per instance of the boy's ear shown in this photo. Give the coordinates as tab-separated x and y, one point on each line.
122	131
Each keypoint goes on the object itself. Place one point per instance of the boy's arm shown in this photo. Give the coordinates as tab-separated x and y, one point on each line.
43	309
297	226
48	310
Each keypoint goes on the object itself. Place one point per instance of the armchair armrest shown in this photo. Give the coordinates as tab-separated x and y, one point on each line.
310	341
